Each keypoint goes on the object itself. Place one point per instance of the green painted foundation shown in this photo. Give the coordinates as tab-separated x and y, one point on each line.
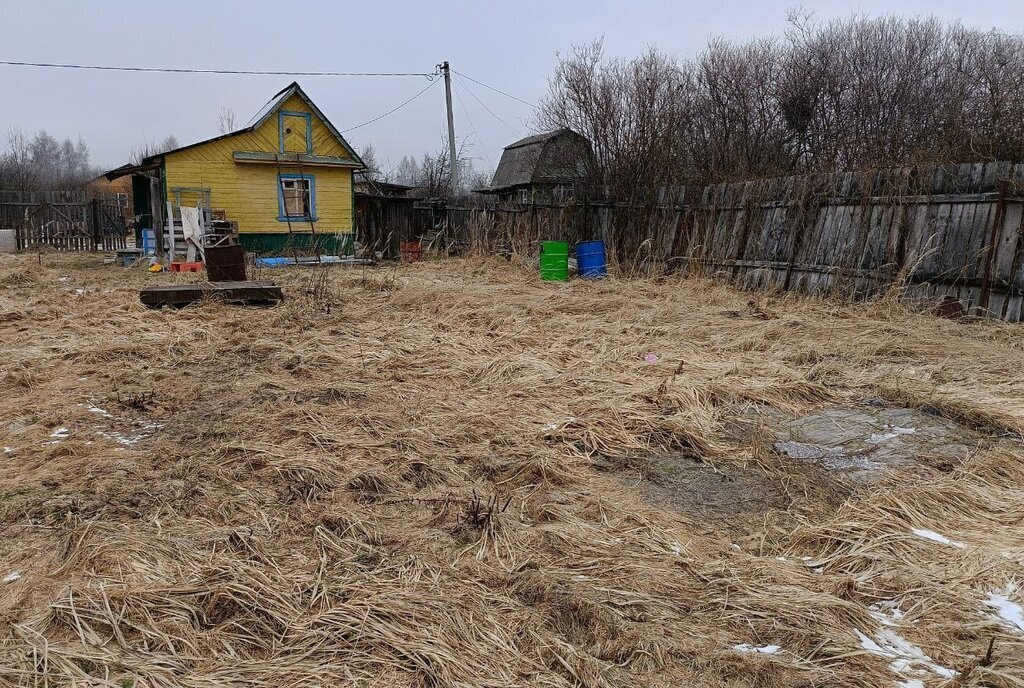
282	244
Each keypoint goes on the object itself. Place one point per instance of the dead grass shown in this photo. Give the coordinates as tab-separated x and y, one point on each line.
401	477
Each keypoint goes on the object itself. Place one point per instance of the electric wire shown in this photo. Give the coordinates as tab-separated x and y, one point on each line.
497	90
479	142
184	70
392	110
484	106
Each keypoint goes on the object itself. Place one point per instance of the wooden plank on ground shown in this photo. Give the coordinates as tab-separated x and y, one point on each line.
249	293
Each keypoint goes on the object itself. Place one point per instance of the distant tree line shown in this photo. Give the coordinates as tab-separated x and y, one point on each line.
41	162
430	175
853	93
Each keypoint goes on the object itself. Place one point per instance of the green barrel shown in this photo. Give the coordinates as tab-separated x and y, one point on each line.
554	261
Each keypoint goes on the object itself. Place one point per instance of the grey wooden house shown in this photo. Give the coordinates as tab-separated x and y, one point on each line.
544	168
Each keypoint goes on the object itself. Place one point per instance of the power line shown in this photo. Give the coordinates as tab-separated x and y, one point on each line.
473	126
181	70
497	90
394	109
484	106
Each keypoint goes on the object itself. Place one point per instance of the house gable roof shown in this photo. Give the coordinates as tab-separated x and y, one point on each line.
265	113
279	99
552	157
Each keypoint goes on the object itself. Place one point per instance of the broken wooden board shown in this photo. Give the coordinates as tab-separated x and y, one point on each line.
246	293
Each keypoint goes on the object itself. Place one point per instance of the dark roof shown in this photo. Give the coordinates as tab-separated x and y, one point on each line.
372	187
264	113
554	157
537	138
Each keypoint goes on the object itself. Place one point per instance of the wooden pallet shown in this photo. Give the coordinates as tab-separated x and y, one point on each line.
246	293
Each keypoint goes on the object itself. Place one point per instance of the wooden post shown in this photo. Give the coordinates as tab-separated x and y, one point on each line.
96	218
991	249
170	233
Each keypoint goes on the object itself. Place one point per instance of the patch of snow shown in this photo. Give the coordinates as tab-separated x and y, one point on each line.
893	433
102	412
12	576
677	549
79	291
735	546
763	649
61	433
1007	610
906	658
120	438
8	450
886	612
936	537
144	429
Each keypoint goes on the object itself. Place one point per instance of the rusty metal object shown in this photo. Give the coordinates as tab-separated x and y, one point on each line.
225	263
950	307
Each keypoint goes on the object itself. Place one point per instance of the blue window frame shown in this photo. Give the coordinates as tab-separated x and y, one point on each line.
281	114
296	197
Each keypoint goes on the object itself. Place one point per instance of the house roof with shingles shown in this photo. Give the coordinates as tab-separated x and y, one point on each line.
553	157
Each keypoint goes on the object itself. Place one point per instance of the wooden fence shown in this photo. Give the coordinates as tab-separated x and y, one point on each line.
383	222
65	220
952	231
941	231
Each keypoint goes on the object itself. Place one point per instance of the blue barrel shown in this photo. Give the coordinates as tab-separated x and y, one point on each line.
590	259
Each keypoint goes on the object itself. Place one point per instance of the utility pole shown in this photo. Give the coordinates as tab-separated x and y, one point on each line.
451	128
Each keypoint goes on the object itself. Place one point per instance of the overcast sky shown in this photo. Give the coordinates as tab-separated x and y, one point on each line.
512	46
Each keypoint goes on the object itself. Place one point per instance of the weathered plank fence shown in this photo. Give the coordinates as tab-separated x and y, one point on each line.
937	231
64	220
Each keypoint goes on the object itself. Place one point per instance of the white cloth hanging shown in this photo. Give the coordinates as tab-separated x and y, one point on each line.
192	229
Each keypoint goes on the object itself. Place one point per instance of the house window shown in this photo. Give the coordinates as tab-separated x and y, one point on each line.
296	197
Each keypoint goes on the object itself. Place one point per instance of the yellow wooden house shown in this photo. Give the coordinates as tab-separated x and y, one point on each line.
286	179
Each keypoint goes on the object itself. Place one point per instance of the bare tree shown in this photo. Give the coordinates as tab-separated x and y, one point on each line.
430	176
407	171
43	162
850	93
372	170
140	152
226	120
17	173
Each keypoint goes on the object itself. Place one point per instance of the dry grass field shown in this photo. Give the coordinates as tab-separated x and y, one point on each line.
452	474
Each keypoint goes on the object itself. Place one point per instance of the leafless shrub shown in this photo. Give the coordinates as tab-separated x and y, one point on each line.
846	94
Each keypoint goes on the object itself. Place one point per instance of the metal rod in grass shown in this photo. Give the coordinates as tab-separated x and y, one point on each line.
636	256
